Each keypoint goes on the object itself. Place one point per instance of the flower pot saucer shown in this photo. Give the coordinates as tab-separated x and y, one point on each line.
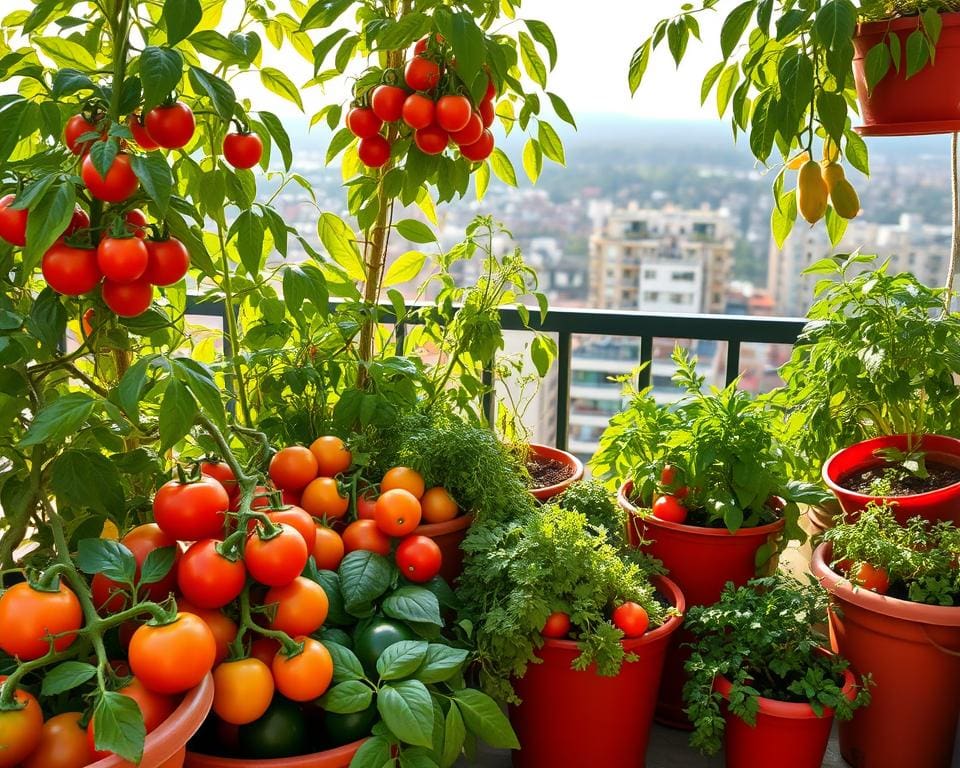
910	129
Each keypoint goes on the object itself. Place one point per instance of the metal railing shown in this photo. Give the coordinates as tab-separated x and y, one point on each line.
735	330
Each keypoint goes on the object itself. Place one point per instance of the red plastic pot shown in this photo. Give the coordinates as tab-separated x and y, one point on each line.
701	561
942	504
166	746
786	734
580	718
548	452
331	758
912	651
928	102
449	536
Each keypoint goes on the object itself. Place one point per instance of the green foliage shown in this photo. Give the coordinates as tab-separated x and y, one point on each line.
920	558
761	638
878	356
594	501
549	559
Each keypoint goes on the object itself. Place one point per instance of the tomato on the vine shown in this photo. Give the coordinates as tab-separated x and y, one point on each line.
668	475
172	658
140	135
127	299
136	221
301	607
87	321
63	744
78	221
122	259
221	472
76	127
398	512
480	150
453	112
277	560
322	498
298	518
870	578
109	596
242	150
556	626
171	126
667	508
487	112
293	468
423	42
366	535
328	548
331	454
431	140
20	729
191	510
470	133
264	648
405	478
418	558
30	617
491	92
224	628
438	506
421	74
70	271
363	122
119	183
242	690
167	261
386	101
418	111
13	223
366	506
306	675
374	151
207	578
631	618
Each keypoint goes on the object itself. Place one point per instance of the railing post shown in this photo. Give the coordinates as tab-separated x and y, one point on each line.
733	359
646	356
564	359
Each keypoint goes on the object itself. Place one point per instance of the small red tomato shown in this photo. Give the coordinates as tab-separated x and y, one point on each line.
366	506
386	101
365	535
870	578
470	133
122	259
293	468
208	579
140	135
557	625
13	223
421	74
480	149
667	507
171	126
431	140
221	472
167	261
242	150
631	618
278	560
136	221
487	113
418	111
374	152
453	112
78	221
418	558
491	91
127	299
192	510
76	127
667	475
422	43
119	183
70	271
363	122
299	519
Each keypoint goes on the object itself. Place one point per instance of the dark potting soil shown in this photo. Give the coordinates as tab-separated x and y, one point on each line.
545	472
901	483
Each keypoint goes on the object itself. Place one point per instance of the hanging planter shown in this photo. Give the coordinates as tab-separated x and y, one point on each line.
552	471
579	717
898	105
856	465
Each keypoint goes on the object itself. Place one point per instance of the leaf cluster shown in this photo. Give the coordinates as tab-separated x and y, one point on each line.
761	638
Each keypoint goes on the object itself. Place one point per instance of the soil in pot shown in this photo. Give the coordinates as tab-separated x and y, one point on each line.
898	482
545	471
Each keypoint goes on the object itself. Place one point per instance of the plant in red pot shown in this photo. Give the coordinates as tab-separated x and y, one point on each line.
762	683
571	629
870	391
895	595
704	483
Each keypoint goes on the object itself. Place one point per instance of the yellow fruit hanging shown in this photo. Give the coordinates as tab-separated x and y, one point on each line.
795	162
832	173
812	192
844	199
831	152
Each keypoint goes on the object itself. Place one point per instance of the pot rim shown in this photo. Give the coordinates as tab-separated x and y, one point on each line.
186	718
567	458
793	710
841	588
449	526
900	24
882	441
665	586
696	530
298	761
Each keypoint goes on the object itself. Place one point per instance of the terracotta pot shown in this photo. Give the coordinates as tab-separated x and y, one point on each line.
941	504
701	561
786	734
580	718
331	758
912	651
449	536
546	451
928	102
166	746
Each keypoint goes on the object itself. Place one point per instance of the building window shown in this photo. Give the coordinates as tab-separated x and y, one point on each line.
649	274
686	276
652	296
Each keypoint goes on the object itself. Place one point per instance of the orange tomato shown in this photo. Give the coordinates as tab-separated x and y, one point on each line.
301	607
364	534
30	616
224	628
293	468
243	690
63	744
405	478
398	512
173	658
20	729
264	648
322	498
332	455
306	675
366	506
298	518
328	549
438	506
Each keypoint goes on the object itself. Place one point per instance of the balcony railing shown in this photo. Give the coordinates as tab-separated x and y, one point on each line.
735	330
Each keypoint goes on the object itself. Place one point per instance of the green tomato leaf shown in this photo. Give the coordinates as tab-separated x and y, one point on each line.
180	18
220	92
734	26
407	709
178	409
61	418
374	752
157	565
415	231
468	45
401	659
155	177
484	718
200	381
322	14
279	135
87	479
48	218
66	677
347	697
404	269
532	159
346	666
108	557
532	62
274	80
441	663
416	604
503	168
835	23
364	576
454	735
119	726
160	73
47	321
341	243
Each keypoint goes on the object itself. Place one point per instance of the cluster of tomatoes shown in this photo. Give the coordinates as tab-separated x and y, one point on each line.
437	119
629	617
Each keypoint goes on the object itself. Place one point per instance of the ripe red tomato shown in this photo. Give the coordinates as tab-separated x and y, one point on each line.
221	472
307	675
422	43
127	299
431	140
298	518
172	658
278	560
667	507
154	707
487	112
243	690
87	321
122	259
171	126
63	744
364	534
70	271
453	112
418	111
13	223
76	127
557	625
192	510
491	91
140	135
110	597
136	221
264	648
20	729
332	455
301	607
386	101
167	261
78	221
471	132
366	506
421	74
871	578
668	475
480	149
119	183
29	616
242	150
207	578
363	122
293	468
418	558
328	548
631	618
397	512
374	152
